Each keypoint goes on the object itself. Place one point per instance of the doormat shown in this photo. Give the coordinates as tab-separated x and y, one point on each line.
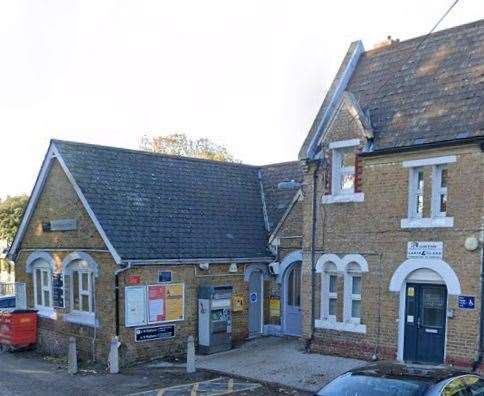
214	387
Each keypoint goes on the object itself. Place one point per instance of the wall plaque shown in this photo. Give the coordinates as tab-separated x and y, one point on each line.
153	333
425	249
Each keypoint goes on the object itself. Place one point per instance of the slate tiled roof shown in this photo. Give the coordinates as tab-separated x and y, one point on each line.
434	96
155	206
278	199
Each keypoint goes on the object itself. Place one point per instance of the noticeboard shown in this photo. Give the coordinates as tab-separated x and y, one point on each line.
166	302
135	306
153	333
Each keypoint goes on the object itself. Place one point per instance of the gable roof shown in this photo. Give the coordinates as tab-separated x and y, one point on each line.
150	206
435	96
278	199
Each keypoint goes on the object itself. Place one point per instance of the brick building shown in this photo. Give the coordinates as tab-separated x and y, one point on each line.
371	245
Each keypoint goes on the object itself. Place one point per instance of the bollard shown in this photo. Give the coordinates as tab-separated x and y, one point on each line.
72	356
113	358
191	355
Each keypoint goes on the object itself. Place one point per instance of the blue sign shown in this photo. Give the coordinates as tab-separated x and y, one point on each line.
253	297
467	302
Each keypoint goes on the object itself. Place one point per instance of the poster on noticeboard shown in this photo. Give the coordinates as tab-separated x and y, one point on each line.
165	302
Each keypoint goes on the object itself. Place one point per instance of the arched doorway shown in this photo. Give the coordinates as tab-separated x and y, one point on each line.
424	286
292	309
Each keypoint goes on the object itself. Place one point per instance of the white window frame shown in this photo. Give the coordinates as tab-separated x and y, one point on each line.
438	190
44	268
437	218
338	194
82	263
328	295
415	192
88	292
354	297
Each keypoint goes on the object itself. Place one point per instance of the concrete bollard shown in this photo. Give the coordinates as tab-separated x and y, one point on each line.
72	356
191	355
113	358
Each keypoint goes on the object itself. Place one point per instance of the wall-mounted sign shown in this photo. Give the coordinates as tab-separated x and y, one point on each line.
165	276
153	333
166	302
60	225
275	307
253	297
58	290
466	302
134	279
425	249
135	306
237	303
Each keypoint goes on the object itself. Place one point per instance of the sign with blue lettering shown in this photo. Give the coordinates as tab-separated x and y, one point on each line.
253	297
154	333
466	302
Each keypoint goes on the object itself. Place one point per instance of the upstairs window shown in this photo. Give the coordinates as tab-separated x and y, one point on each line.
344	170
343	179
416	193
439	191
420	212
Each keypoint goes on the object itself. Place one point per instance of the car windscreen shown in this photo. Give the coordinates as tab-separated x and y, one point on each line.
7	302
365	385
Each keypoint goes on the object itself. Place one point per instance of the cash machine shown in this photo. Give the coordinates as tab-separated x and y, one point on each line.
214	318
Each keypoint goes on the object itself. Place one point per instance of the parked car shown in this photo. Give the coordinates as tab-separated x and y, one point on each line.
7	301
399	379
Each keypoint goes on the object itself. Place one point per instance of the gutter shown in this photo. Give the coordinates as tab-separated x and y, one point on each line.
241	260
426	146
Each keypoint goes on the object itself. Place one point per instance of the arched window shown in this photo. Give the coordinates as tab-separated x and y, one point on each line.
329	291
41	265
353	293
350	268
80	271
42	280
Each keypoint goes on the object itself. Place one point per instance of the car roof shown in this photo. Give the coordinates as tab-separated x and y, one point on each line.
7	296
427	373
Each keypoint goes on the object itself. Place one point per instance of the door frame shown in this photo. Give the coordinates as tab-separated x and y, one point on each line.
284	290
261	299
402	314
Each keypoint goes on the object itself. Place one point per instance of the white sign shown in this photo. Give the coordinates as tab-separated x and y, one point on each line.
425	249
135	306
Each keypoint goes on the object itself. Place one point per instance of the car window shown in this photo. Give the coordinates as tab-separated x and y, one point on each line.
456	387
474	385
364	385
7	303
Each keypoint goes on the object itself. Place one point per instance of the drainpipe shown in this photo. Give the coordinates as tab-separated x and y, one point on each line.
313	250
478	361
116	295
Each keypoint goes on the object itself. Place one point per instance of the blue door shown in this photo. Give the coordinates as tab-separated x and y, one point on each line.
293	311
425	315
255	303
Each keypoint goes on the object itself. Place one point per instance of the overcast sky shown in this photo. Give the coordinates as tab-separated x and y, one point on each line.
249	75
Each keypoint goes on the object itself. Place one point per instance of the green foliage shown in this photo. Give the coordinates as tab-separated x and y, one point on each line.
11	210
180	144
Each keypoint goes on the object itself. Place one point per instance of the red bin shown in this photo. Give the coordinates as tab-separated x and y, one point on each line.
18	328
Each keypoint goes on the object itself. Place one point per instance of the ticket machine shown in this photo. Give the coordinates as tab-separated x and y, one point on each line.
214	318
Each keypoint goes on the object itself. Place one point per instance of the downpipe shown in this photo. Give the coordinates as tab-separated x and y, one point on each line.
478	361
116	296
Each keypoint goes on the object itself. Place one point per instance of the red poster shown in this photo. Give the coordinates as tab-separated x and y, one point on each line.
156	303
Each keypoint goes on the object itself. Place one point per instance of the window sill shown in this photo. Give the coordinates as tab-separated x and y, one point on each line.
342	198
48	313
428	222
340	326
82	319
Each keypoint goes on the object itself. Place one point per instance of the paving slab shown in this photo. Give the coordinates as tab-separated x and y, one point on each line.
279	360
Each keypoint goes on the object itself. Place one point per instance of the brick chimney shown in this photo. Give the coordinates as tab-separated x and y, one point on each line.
386	43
